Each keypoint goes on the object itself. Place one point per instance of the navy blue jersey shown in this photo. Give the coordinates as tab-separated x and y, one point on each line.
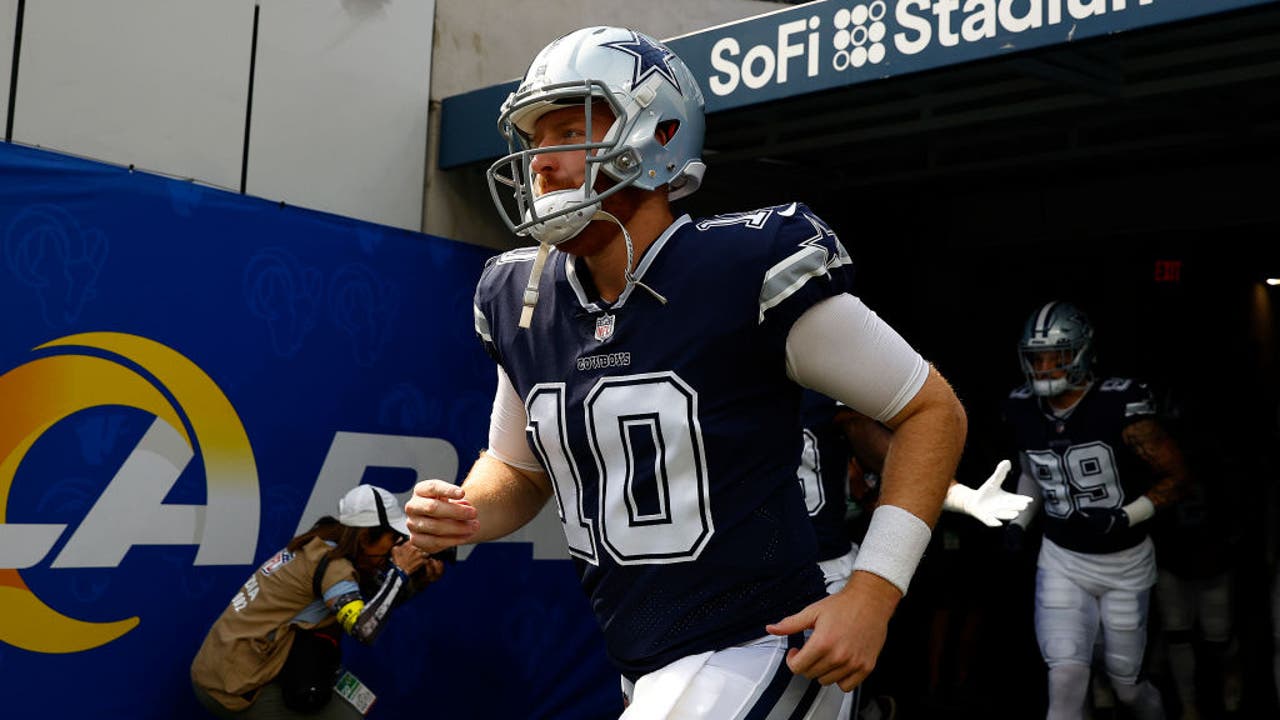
1081	461
671	431
824	473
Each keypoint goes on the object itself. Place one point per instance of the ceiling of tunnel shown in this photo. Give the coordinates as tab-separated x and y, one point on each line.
1171	97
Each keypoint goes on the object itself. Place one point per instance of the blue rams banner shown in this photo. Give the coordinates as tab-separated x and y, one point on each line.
189	378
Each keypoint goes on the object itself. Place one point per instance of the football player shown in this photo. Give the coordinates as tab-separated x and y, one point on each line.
832	434
1197	546
1103	465
649	374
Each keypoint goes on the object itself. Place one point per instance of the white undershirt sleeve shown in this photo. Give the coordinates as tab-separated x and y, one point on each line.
507	423
842	349
1140	510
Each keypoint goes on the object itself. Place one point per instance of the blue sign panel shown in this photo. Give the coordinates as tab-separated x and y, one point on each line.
188	377
842	42
834	43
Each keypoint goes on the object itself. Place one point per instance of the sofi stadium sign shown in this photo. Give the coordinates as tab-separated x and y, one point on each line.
854	35
827	44
832	43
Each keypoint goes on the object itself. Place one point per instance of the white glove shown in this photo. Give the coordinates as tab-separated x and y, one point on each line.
989	504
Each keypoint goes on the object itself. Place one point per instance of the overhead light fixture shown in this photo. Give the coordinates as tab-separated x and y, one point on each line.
1273	281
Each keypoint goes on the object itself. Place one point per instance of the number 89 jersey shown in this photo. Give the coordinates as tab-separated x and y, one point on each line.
671	432
1081	461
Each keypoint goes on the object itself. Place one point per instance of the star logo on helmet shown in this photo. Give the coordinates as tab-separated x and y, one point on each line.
650	58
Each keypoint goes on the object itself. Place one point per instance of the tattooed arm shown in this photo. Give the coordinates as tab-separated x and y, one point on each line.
1149	440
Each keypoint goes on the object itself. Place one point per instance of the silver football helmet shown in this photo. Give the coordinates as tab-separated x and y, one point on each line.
1058	338
644	84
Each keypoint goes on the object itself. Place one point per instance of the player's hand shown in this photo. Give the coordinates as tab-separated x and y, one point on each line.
1103	521
990	504
1013	538
849	630
408	558
439	516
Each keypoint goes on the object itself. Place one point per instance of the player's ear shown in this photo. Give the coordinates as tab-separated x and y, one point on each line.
666	130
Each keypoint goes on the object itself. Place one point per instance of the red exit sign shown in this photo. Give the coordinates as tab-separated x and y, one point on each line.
1168	271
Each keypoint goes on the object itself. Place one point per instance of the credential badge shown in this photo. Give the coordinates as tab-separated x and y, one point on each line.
604	327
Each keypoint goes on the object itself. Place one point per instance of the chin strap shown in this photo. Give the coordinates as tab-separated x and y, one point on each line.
627	274
531	289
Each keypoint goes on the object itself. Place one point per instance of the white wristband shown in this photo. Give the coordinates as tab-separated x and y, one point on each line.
893	546
1139	510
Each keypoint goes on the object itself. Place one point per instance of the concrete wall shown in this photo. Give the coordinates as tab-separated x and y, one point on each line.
339	101
340	117
483	42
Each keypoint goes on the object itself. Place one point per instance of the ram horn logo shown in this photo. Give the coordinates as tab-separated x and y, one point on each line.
97	369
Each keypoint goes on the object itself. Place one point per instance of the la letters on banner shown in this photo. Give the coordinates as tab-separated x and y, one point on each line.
187	378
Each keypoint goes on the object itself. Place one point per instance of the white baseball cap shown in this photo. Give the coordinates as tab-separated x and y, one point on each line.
371	506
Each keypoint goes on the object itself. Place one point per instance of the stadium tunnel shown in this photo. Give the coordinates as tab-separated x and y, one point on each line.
1133	173
1124	160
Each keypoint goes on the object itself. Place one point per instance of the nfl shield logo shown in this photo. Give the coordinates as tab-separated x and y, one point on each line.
604	327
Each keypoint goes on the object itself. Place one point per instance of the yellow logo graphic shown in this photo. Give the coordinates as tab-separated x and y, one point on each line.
43	392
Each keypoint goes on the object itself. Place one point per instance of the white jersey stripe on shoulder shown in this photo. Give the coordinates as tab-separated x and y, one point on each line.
482	324
788	276
1141	408
518	255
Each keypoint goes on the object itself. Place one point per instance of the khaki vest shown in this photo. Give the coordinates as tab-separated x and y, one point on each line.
247	646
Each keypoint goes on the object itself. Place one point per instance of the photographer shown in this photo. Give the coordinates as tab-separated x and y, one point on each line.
275	651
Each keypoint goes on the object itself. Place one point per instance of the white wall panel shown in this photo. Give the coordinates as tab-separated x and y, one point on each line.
160	84
340	103
8	21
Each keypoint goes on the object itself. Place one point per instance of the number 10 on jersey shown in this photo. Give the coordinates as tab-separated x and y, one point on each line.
652	500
